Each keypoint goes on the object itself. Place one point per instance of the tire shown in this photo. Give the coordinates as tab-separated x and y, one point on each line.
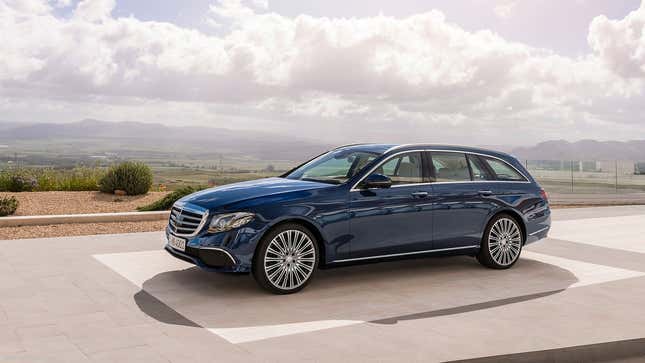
502	243
286	259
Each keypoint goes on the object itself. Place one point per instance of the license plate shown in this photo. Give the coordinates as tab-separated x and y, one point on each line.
177	243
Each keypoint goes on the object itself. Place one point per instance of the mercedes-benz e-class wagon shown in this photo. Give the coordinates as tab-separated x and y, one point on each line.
362	203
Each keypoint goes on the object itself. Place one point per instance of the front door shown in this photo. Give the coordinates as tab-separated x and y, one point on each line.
396	220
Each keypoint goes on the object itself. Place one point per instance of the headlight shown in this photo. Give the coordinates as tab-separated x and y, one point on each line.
226	222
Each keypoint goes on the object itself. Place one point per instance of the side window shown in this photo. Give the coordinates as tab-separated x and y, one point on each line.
450	166
359	164
478	169
503	171
403	169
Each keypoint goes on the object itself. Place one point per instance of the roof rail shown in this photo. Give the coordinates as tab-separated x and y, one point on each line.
348	145
399	146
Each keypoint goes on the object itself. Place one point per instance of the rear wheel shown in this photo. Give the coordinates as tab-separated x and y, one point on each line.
502	243
286	259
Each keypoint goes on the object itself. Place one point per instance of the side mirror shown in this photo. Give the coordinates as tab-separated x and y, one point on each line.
377	181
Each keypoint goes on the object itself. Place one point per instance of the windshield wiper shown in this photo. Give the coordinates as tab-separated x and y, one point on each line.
327	181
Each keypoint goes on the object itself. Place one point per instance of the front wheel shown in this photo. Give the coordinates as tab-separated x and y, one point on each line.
286	259
502	243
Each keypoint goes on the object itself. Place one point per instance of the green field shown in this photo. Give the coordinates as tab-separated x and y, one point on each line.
174	177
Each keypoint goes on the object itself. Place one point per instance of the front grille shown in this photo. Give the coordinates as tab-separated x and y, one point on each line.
186	221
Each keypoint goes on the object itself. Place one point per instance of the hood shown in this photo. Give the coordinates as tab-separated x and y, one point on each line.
233	193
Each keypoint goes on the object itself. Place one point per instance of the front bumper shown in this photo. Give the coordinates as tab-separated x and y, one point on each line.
230	251
208	258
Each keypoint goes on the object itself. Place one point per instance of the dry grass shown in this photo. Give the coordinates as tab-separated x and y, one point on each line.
41	203
79	229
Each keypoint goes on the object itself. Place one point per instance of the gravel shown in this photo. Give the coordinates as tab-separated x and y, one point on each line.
79	229
42	203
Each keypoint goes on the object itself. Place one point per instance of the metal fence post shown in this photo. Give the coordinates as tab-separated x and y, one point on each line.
616	176
571	168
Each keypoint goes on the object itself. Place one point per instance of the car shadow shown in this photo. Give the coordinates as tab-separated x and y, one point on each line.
382	293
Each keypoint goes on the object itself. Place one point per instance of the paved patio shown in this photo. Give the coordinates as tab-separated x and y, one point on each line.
577	296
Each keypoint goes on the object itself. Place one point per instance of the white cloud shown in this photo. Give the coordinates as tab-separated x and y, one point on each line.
63	3
621	43
94	10
370	72
504	8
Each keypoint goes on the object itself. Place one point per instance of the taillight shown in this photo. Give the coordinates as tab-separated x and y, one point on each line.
544	195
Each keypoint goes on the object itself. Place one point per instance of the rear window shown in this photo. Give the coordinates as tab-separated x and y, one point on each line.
503	171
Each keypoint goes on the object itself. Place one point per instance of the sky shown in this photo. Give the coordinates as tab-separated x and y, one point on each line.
485	72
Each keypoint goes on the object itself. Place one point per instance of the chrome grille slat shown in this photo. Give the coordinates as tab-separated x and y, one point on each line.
189	224
185	217
186	220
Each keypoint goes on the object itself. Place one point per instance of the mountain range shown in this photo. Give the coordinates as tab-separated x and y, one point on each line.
119	136
261	145
583	150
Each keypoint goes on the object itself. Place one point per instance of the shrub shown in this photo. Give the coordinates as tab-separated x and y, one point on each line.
77	179
133	177
47	179
15	180
80	179
166	202
8	206
20	183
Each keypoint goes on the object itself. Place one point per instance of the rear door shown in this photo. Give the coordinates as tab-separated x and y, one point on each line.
397	219
462	199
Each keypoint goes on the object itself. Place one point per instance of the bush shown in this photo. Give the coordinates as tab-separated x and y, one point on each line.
133	177
77	179
8	206
47	179
166	202
22	183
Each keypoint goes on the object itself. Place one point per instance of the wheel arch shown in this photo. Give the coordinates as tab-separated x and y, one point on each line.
320	240
515	215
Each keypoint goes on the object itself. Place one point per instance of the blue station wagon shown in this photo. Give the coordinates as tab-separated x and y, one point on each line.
360	203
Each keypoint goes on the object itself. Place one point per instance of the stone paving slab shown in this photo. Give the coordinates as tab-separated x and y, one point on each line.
121	298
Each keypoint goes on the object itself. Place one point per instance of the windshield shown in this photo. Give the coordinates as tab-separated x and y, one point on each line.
334	167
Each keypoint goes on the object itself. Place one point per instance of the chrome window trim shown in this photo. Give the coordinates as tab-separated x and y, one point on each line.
404	254
525	181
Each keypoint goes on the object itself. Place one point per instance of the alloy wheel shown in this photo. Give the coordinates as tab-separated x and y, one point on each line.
505	241
289	259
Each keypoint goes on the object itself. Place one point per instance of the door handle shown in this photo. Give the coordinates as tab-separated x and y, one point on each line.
420	194
485	192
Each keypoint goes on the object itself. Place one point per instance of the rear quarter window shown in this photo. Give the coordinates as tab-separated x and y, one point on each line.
503	171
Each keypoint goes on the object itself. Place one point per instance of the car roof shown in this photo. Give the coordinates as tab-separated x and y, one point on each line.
387	148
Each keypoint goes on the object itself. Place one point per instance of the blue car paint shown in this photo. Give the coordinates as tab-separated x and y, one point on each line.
361	224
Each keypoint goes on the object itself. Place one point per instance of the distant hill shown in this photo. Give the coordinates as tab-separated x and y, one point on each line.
138	135
137	139
583	150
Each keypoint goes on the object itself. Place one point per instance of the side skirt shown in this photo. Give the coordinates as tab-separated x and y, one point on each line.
464	250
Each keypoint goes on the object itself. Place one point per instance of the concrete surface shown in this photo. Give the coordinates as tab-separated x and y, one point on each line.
577	296
83	218
594	199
